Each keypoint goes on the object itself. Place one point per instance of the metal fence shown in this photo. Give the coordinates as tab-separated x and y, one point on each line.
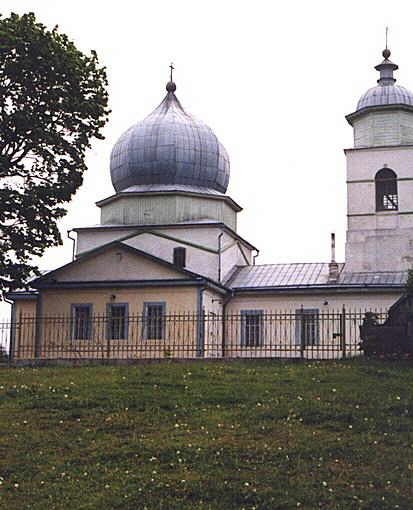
308	334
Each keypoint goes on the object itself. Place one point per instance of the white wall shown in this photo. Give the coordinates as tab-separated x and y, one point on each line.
197	260
383	128
379	240
201	261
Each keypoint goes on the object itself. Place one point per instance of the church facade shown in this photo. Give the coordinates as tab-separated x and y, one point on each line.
167	242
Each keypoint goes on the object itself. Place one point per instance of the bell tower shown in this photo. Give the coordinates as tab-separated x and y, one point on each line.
380	177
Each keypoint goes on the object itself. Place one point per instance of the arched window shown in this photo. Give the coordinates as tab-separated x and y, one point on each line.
386	190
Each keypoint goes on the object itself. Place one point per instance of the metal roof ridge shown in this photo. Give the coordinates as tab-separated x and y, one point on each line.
293	264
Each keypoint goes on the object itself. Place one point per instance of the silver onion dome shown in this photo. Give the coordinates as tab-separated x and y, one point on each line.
171	150
386	92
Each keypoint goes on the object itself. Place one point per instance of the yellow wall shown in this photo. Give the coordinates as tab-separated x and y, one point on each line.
212	307
116	264
24	328
280	333
180	324
59	301
25	308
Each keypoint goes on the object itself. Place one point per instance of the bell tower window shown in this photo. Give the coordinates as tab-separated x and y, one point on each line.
386	190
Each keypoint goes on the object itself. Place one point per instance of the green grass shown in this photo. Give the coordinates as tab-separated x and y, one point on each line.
252	435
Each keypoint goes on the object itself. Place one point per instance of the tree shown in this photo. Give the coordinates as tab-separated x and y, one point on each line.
409	282
53	101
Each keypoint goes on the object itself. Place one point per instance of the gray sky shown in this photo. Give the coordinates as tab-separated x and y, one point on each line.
272	79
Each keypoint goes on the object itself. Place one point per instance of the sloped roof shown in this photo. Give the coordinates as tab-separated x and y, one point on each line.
309	275
383	278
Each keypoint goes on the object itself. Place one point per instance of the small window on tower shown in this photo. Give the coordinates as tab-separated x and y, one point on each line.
386	190
180	257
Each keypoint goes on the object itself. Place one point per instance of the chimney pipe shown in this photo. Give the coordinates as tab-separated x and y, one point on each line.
333	266
333	247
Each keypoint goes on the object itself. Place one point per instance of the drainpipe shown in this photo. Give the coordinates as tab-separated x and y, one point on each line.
200	347
257	252
219	255
224	322
73	241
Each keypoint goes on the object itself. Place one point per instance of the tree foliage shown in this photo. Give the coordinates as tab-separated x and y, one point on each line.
409	282
53	101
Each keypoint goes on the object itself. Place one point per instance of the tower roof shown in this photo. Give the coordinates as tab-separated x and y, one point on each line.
386	92
169	147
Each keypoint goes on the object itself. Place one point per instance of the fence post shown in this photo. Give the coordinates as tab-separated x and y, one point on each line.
302	325
38	335
343	332
223	333
13	327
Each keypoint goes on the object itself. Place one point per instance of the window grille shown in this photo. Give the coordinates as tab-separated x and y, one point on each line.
251	328
307	330
117	326
82	315
154	321
386	190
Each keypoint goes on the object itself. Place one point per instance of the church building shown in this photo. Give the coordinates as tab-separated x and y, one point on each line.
168	242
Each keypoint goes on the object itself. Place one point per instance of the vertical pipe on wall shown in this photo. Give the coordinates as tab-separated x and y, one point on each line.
219	255
200	323
74	243
38	327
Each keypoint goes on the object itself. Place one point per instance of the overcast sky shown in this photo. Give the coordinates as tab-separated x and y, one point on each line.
274	81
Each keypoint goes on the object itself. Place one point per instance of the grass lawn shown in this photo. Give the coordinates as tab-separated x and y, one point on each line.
252	435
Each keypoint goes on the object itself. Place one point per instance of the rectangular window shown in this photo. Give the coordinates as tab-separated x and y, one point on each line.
307	326
180	257
252	328
117	325
82	322
154	321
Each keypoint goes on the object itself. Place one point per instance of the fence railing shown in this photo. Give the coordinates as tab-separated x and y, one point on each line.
308	334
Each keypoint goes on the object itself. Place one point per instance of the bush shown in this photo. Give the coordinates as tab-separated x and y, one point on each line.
3	353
